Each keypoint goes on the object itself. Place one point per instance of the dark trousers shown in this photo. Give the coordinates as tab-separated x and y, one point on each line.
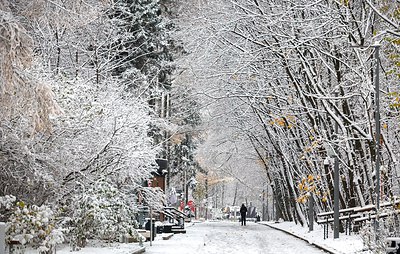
243	219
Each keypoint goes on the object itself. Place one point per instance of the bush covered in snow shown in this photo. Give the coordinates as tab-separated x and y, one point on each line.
374	238
6	204
31	224
100	211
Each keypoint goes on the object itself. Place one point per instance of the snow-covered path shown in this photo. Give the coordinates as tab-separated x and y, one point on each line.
230	237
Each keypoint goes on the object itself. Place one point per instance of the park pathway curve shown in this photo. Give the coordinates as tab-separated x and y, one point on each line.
222	237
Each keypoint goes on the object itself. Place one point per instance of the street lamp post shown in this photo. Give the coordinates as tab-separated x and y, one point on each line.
377	133
336	184
332	152
311	212
336	198
327	163
377	136
267	206
263	204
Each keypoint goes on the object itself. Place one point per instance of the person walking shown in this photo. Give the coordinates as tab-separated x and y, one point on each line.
243	212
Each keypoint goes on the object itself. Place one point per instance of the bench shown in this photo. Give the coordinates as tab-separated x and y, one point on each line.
355	215
392	244
348	215
177	221
167	236
178	231
373	216
328	217
145	233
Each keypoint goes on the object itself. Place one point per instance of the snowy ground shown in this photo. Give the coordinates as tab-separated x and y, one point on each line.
229	237
345	244
96	248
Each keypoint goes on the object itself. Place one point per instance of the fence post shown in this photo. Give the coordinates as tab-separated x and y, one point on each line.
311	213
349	224
326	228
2	238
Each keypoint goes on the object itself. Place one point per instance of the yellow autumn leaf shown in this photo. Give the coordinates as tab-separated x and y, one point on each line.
302	199
396	41
280	122
290	117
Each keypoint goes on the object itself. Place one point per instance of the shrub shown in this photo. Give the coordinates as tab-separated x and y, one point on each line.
31	224
100	212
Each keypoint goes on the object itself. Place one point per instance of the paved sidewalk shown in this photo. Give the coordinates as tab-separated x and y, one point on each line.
322	247
229	237
345	244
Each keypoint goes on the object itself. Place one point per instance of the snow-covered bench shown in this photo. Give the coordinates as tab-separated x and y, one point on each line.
344	214
355	215
167	236
145	233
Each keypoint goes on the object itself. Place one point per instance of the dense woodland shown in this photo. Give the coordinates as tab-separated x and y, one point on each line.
92	92
296	80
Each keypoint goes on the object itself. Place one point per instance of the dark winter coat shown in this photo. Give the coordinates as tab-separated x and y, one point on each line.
243	210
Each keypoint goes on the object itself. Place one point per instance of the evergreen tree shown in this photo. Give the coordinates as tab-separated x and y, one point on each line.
142	40
144	48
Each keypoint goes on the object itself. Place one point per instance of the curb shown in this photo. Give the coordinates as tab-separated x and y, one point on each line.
138	251
321	247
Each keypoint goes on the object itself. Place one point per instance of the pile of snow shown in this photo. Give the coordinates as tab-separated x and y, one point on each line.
345	244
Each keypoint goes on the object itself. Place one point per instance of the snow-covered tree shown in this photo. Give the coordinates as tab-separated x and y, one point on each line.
286	74
72	122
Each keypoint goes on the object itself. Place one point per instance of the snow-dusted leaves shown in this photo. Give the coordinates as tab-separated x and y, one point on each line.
100	211
35	225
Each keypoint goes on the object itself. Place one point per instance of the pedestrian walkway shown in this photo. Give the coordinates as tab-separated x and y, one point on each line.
345	244
231	238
